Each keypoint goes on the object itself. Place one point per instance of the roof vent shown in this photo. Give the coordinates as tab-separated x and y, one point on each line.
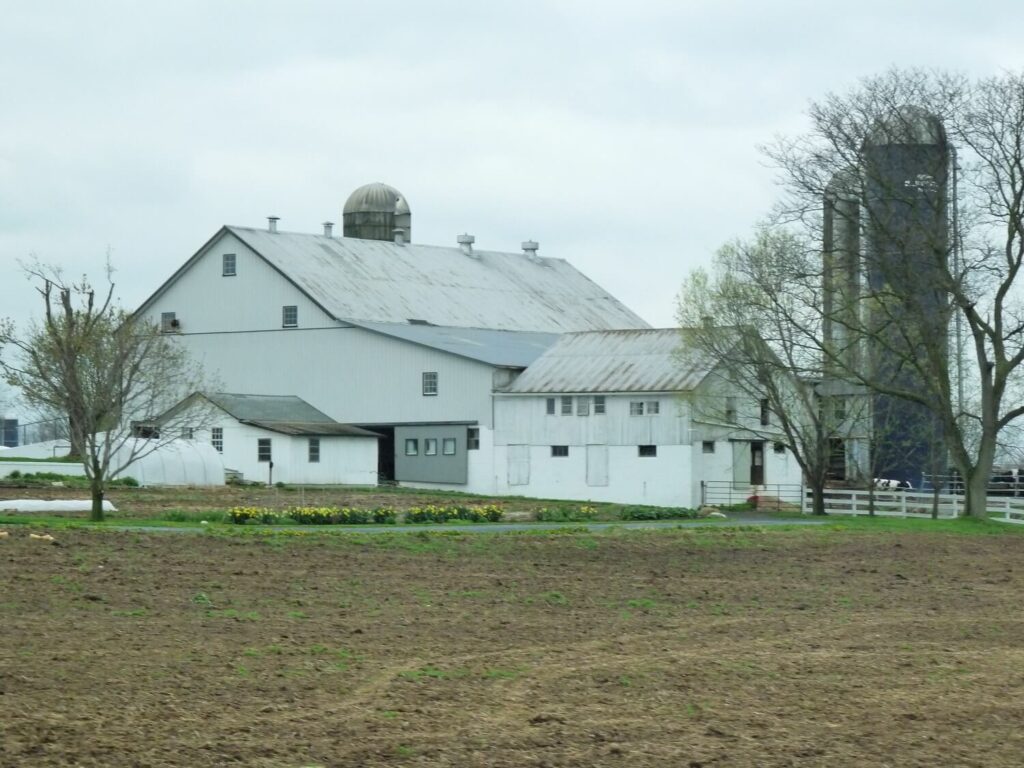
399	234
272	223
530	249
328	229
466	244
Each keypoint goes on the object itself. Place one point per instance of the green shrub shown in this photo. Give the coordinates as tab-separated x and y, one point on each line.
432	513
14	475
657	513
581	514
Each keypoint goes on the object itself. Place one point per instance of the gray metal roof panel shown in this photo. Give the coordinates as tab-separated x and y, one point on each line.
380	281
312	428
515	349
264	408
647	360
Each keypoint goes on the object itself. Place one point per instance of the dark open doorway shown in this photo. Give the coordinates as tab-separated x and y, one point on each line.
757	462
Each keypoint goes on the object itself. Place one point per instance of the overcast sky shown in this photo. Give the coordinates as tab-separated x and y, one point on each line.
623	137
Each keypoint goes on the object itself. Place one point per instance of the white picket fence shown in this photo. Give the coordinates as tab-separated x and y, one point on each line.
911	504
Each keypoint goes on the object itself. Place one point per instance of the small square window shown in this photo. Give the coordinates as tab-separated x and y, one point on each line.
448	446
473	439
599	404
582	406
636	408
430	446
263	449
429	383
566	405
708	446
550	406
188	433
779	447
560	451
289	317
646	451
217	438
314	450
653	407
412	447
169	322
228	265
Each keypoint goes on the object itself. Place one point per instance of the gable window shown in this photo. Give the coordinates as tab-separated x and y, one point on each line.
314	450
636	408
473	439
228	265
560	451
566	405
168	322
448	446
653	407
730	409
188	433
765	412
599	404
412	446
550	406
429	383
839	409
708	446
217	438
646	451
583	406
289	316
263	449
430	446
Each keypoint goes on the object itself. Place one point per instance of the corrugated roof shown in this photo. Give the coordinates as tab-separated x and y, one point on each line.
655	360
312	429
265	408
382	282
505	348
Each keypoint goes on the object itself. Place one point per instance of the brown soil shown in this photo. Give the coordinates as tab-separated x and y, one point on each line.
685	648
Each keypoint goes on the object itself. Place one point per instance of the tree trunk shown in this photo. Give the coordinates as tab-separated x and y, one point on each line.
97	502
976	494
818	497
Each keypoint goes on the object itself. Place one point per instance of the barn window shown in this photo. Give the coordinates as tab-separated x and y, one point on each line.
188	433
289	316
708	446
730	409
430	446
412	446
168	322
560	451
779	447
228	265
263	449
646	451
636	408
217	438
599	404
473	439
314	450
765	412
550	405
429	383
582	406
653	407
448	446
566	405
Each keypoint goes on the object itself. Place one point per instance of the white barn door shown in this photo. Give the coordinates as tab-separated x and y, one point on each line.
740	464
519	465
597	465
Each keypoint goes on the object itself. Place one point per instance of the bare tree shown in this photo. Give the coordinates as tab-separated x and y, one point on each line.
100	367
938	314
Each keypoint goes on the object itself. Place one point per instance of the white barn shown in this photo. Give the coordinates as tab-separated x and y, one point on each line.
627	416
279	438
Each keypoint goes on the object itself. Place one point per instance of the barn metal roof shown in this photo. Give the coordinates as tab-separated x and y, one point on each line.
652	360
383	282
311	429
514	349
266	408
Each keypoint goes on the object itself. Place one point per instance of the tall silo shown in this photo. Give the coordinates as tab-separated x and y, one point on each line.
375	211
841	252
904	171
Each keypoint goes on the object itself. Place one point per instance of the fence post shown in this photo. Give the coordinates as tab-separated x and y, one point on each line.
903	504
